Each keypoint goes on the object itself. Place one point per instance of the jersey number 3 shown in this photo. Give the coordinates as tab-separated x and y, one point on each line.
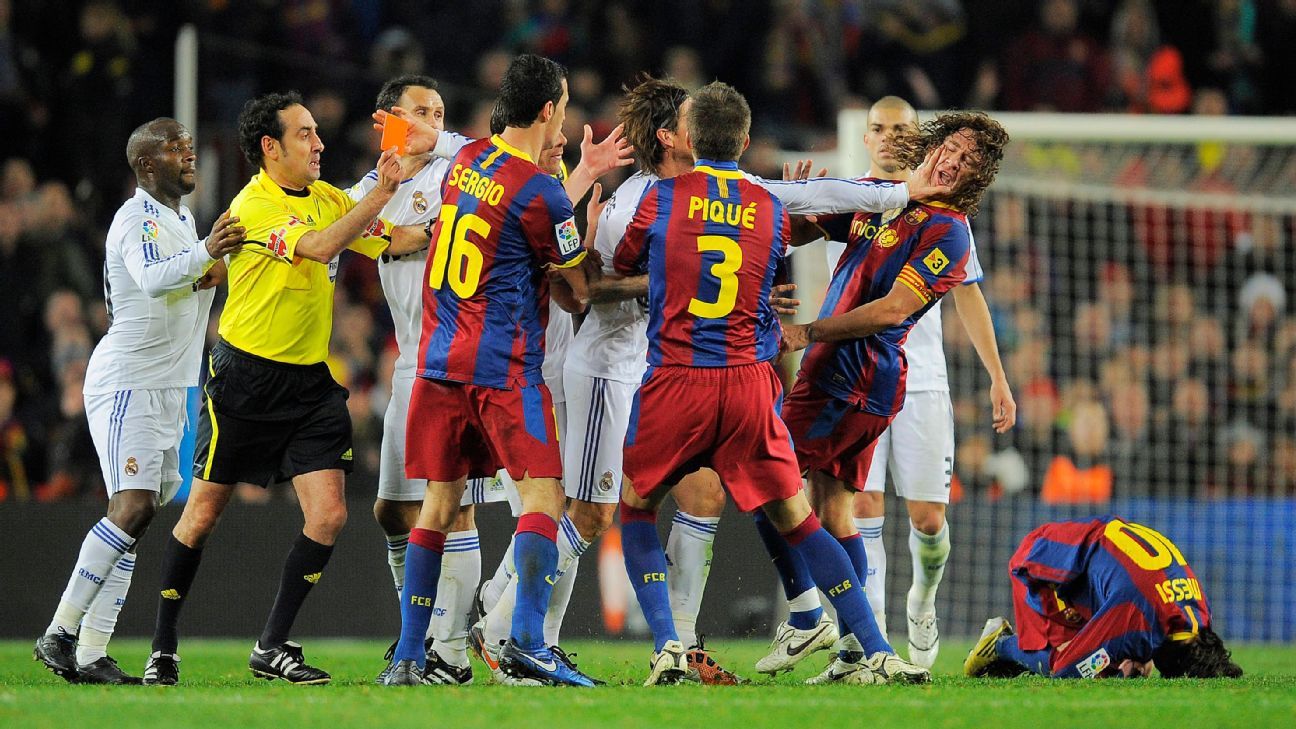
724	271
456	257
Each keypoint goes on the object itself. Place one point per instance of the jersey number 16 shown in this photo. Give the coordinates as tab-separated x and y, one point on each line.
456	257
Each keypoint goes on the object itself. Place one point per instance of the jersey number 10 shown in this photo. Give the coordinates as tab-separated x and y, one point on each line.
1152	550
456	257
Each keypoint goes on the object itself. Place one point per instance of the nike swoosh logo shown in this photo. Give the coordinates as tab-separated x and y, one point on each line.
796	649
550	666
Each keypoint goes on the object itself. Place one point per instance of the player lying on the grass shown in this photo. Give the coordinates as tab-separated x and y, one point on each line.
712	243
852	380
919	444
158	280
1102	597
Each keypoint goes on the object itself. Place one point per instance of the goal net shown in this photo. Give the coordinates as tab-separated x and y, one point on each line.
1141	275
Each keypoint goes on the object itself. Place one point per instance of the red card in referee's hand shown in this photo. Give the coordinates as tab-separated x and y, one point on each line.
394	133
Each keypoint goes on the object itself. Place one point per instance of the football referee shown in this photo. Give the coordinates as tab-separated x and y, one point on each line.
271	410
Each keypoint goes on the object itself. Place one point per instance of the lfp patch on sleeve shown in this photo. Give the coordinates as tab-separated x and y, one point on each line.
936	261
150	231
1094	665
568	238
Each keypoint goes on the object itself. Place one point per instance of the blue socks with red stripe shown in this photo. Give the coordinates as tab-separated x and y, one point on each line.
535	555
1037	662
798	585
832	569
422	572
646	565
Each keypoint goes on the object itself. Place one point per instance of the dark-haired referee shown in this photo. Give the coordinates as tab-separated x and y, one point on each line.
271	410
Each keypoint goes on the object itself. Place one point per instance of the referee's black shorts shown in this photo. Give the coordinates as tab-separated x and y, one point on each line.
265	421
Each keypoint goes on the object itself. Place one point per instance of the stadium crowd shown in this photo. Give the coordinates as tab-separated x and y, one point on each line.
1138	372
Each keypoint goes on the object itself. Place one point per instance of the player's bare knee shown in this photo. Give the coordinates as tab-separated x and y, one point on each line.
464	520
591	519
323	524
701	494
869	504
392	517
132	510
927	517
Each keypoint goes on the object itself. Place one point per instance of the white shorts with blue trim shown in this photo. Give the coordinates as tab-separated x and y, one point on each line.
392	483
598	413
137	435
918	449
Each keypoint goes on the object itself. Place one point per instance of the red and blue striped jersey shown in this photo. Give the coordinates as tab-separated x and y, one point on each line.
1124	585
711	243
923	246
503	221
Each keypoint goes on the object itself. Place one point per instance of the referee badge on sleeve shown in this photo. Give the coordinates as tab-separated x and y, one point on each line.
568	238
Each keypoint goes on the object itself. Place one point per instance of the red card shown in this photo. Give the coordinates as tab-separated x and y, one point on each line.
395	130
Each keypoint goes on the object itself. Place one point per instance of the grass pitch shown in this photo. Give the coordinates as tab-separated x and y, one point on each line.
218	691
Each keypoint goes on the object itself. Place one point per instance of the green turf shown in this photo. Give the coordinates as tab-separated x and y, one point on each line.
218	691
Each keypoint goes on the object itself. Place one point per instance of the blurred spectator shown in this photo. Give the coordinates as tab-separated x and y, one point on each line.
1083	477
1147	75
1274	31
1131	448
15	445
1056	66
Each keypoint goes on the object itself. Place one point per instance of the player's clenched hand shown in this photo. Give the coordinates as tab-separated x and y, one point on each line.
1005	408
613	152
389	171
923	184
226	236
784	304
796	337
421	137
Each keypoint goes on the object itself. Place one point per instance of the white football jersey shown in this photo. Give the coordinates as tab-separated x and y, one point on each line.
416	201
613	340
925	346
158	317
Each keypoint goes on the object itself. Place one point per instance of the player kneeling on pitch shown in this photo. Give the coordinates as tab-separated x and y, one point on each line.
1102	597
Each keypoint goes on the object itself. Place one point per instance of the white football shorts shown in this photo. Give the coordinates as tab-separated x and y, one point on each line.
598	414
137	435
918	448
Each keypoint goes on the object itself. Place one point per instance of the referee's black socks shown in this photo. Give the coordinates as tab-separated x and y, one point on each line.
179	565
304	567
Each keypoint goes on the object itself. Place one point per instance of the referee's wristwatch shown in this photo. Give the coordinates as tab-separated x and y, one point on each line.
427	229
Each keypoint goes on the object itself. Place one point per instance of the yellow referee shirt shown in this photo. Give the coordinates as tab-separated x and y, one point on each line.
280	306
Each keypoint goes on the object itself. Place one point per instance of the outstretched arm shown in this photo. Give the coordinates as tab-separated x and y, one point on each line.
974	312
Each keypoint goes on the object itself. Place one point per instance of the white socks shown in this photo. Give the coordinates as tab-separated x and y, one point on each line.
460	573
500	580
100	621
870	529
688	556
929	553
396	546
104	545
570	548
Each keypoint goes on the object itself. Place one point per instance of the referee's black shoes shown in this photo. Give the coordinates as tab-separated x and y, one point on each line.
287	662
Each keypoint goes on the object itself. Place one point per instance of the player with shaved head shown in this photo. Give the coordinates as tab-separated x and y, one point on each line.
158	277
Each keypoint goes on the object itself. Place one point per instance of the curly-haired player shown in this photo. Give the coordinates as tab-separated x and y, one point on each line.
1102	597
852	382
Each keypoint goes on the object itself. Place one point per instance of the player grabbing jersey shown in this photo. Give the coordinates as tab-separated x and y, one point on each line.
711	243
1102	597
480	402
157	284
851	385
918	446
